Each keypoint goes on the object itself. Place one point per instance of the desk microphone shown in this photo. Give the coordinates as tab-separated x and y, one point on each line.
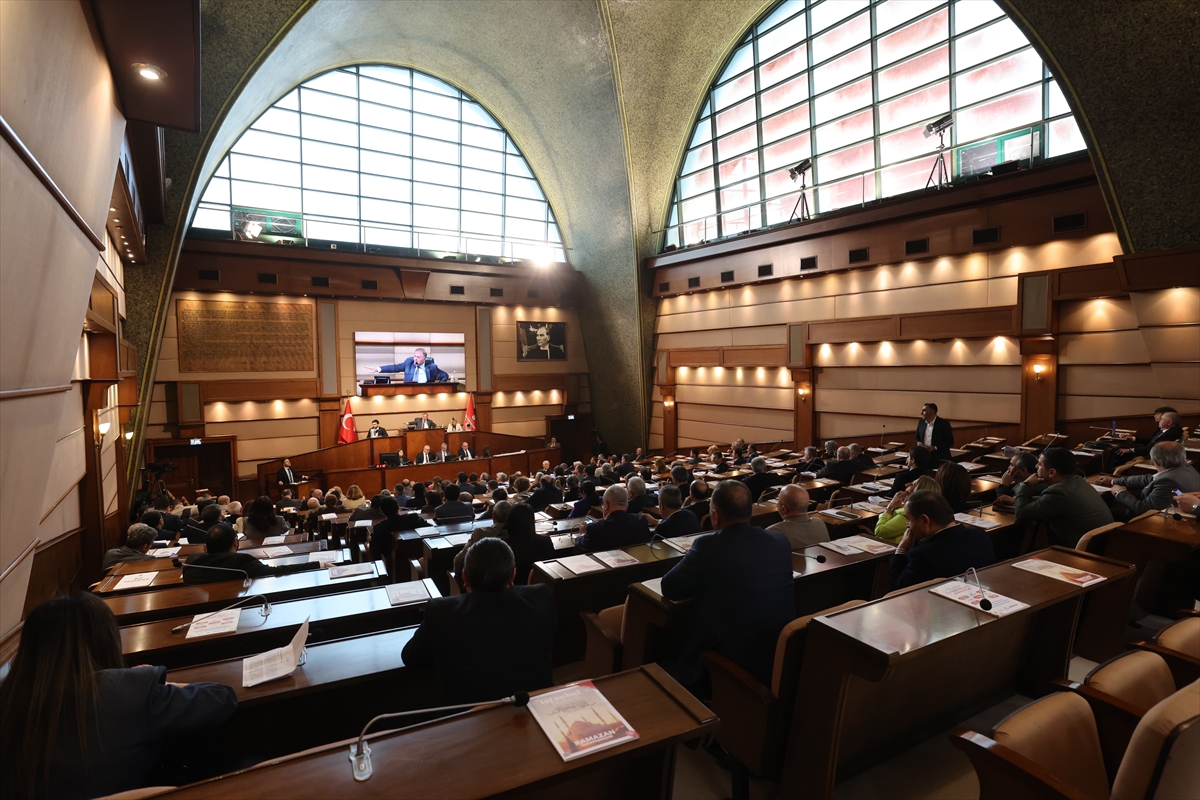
184	565
652	538
360	753
817	558
984	603
266	612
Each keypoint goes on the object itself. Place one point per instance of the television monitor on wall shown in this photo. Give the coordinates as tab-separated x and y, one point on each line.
394	355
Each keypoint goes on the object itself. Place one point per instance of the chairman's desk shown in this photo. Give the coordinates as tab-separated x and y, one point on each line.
882	676
330	617
140	607
498	751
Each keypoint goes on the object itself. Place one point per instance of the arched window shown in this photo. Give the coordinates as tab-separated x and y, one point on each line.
852	85
380	157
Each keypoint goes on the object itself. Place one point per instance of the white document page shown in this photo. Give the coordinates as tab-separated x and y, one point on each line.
277	663
135	580
212	624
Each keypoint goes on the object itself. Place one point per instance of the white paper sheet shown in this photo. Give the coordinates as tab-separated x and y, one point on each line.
274	540
564	542
324	557
164	552
328	517
276	552
351	569
134	581
616	558
401	593
213	624
363	523
978	522
581	565
968	594
277	663
458	538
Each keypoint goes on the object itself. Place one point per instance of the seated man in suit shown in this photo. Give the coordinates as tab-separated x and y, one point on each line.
842	470
681	477
426	456
1060	496
639	498
920	462
171	522
287	501
673	523
196	531
935	544
383	541
721	466
810	461
626	467
1169	429
457	507
760	478
425	422
464	452
546	494
1020	467
619	528
418	368
1171	473
935	433
797	525
741	580
698	499
444	455
493	641
860	458
498	514
138	541
221	560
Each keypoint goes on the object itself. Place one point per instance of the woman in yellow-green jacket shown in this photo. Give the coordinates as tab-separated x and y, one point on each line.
892	523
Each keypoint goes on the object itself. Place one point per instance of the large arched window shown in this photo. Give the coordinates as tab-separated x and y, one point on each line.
381	157
852	84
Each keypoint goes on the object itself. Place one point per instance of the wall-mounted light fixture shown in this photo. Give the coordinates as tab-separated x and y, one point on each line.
803	392
104	428
1037	372
668	403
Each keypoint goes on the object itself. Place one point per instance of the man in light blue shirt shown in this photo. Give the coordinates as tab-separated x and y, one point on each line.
417	369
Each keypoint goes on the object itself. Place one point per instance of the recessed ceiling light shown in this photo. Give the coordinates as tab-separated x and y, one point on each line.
149	71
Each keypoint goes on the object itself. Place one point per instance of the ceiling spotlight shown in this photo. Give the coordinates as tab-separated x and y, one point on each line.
801	168
149	71
939	126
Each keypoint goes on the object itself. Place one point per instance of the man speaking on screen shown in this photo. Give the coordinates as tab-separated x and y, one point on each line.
418	369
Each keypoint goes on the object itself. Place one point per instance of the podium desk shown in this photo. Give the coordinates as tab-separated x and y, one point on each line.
882	676
594	591
396	388
504	752
656	628
330	617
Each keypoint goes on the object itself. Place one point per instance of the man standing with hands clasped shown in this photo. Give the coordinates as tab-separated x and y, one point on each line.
935	433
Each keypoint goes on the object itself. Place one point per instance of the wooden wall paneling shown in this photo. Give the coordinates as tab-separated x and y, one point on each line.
976	322
530	382
483	410
91	513
695	357
1101	280
414	283
57	569
871	329
260	390
797	346
1160	269
1039	388
670	423
371	481
754	356
329	420
804	427
1035	310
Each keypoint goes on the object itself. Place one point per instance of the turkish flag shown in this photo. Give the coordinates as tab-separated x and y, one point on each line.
347	434
469	417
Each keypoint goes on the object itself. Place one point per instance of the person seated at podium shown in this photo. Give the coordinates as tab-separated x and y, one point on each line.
425	422
455	426
444	455
1167	429
720	465
376	432
493	641
842	470
78	723
697	502
935	544
262	521
457	507
418	368
464	452
618	528
171	522
741	579
138	541
810	461
546	494
673	523
1156	492
286	500
1059	496
797	525
426	456
221	560
860	458
640	498
759	480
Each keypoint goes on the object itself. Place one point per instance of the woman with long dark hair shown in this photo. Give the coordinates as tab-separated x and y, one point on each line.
262	521
527	545
74	722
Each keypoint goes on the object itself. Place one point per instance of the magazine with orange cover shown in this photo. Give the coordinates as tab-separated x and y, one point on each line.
579	721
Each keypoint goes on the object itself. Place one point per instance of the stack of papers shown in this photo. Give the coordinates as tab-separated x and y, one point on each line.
1101	489
616	558
853	545
403	593
1059	572
969	595
581	565
134	581
684	543
277	663
971	466
212	624
458	538
978	522
164	552
563	542
873	506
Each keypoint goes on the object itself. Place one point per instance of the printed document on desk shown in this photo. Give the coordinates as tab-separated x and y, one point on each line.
277	663
578	720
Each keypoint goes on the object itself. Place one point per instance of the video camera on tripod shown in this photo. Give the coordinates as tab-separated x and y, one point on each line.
160	467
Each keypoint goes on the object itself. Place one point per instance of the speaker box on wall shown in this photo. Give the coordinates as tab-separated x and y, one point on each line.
662	366
796	346
1035	299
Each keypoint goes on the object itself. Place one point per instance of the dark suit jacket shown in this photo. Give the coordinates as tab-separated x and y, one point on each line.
699	509
136	711
527	550
816	465
425	423
193	532
760	481
487	645
377	433
171	522
625	469
281	476
465	454
383	543
680	523
741	578
618	529
863	462
583	505
642	502
950	552
427	458
454	511
841	471
902	479
544	496
722	467
233	561
1174	434
943	437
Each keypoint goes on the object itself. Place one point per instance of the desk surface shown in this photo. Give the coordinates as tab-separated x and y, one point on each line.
1183	531
503	747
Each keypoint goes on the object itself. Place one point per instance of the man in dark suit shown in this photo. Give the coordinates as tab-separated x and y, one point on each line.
935	433
673	522
618	528
741	579
698	500
1059	496
376	432
542	349
935	545
171	522
196	531
761	479
1169	430
419	368
287	501
427	456
842	470
222	560
286	477
546	494
464	452
493	641
457	507
860	458
920	462
625	467
444	455
639	497
425	422
810	461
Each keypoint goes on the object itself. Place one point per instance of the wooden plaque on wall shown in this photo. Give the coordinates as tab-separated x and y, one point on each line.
226	336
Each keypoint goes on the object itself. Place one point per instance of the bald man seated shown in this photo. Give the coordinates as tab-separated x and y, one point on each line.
800	529
618	528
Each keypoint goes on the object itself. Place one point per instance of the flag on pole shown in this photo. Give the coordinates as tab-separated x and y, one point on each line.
469	417
347	434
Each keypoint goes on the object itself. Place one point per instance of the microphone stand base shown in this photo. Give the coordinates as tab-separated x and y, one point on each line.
362	764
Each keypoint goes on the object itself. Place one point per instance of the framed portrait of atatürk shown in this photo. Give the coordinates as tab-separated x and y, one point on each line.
541	341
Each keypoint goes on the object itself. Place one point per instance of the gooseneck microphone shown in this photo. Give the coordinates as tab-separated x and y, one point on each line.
183	565
817	558
360	752
265	611
984	603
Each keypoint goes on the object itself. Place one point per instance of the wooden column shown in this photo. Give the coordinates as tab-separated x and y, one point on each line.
1039	386
91	508
804	426
670	432
329	420
483	411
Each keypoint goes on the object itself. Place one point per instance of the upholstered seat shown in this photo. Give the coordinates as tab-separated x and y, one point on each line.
1058	733
1139	678
1182	636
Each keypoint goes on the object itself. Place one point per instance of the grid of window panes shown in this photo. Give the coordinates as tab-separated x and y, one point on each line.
378	155
852	85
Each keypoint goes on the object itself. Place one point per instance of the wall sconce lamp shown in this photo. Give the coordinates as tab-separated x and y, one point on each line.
104	428
668	403
803	392
1037	372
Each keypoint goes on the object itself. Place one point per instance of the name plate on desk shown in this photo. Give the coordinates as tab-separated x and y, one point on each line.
135	581
328	517
274	540
213	624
